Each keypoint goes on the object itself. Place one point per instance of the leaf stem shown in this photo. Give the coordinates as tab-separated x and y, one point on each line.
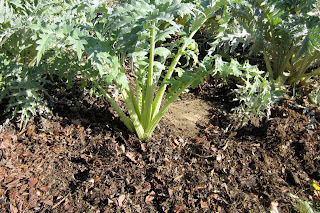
135	102
268	64
147	109
133	114
163	86
123	116
160	114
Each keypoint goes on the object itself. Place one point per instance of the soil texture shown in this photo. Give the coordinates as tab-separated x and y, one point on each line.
81	158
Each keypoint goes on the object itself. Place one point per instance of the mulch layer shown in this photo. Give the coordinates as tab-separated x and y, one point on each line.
80	158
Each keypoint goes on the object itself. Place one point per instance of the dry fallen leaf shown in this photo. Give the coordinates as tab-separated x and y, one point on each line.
204	204
48	202
106	191
85	157
143	147
180	208
96	179
158	176
25	154
150	197
33	182
170	192
3	173
215	196
13	194
110	201
9	164
121	200
219	157
13	184
13	209
2	192
274	207
31	129
146	186
43	188
132	156
6	141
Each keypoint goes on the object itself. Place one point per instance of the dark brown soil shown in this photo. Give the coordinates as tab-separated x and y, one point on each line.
82	159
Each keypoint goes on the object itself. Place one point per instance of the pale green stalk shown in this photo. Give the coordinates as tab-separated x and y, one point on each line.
139	96
306	62
268	64
156	119
135	103
284	64
33	62
163	86
123	116
313	73
147	105
138	102
309	59
133	114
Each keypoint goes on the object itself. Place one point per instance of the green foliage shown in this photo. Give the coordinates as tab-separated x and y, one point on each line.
95	41
38	40
140	32
255	92
303	206
284	32
314	96
20	85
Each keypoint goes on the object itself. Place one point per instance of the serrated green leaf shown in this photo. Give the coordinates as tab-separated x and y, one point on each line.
35	26
43	45
78	45
158	66
166	33
303	206
122	80
179	71
162	52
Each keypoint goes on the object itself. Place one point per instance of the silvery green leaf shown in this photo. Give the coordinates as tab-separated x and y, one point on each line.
43	45
158	66
162	52
78	45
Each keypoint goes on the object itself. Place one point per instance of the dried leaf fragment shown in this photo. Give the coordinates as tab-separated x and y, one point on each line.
48	202
43	188
274	207
33	182
150	197
121	200
220	209
3	173
143	147
6	141
204	204
170	191
13	184
180	208
215	196
146	186
13	209
106	191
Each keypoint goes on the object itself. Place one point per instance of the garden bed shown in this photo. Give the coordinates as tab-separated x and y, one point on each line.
82	159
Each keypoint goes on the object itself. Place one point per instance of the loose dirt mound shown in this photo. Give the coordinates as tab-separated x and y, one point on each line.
185	115
82	159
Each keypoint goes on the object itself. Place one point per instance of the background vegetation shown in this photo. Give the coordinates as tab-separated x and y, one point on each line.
268	48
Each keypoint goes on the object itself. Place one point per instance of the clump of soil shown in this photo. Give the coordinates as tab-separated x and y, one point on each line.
82	159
